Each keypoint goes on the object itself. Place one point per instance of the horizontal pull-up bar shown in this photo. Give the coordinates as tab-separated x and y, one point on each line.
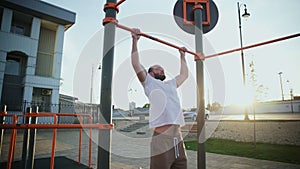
254	45
197	56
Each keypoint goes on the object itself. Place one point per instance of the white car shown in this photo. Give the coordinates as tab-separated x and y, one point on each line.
193	115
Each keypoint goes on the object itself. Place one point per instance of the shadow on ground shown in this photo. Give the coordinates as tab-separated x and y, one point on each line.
59	163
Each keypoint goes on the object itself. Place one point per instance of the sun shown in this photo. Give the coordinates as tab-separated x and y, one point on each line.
245	99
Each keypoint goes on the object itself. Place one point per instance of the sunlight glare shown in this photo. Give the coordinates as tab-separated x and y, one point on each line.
245	99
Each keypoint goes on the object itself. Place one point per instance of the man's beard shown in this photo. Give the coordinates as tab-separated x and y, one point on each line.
160	77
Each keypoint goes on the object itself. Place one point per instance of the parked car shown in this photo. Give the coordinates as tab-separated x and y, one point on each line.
192	115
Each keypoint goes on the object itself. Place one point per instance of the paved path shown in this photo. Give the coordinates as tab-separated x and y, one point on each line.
129	151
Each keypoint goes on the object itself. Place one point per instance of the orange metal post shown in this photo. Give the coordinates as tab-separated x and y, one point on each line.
80	141
54	132
90	144
195	2
2	121
14	126
12	143
53	145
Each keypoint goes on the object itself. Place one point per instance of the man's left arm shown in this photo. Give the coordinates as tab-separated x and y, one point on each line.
183	75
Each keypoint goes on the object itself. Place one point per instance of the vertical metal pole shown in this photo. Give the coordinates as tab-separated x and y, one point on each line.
2	121
24	110
53	144
92	81
200	93
243	62
12	144
254	123
292	107
59	111
241	42
26	140
32	140
80	140
280	78
104	138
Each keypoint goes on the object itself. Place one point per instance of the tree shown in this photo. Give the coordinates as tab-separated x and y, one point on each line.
147	105
215	106
208	107
259	91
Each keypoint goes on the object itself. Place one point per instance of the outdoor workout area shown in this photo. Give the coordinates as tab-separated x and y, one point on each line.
192	16
195	17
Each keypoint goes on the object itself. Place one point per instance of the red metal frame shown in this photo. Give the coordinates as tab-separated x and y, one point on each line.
196	55
15	126
196	2
113	5
12	144
254	45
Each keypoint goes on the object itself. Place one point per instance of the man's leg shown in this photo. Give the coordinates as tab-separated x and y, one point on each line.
181	161
162	152
161	161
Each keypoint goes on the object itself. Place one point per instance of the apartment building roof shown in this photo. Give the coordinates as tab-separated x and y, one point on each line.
42	10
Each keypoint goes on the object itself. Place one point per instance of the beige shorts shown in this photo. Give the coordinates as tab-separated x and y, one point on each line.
167	152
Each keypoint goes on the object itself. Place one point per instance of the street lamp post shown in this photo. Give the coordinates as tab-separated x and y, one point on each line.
291	95
280	79
92	81
245	15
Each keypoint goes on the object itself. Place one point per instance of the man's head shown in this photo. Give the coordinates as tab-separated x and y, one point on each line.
157	72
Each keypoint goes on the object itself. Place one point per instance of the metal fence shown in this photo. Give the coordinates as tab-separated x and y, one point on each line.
73	108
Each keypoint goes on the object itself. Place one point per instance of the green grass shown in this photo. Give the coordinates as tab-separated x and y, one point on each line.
272	152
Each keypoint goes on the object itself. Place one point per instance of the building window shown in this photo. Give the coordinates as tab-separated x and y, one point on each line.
13	87
17	29
21	24
45	55
13	66
42	98
15	63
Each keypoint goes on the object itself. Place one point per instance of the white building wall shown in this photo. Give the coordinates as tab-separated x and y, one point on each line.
58	52
14	42
278	107
6	20
2	69
35	28
267	107
57	65
31	61
29	45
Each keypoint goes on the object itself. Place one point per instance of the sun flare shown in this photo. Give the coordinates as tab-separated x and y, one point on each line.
245	99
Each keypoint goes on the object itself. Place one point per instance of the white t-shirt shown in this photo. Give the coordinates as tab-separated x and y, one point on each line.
165	107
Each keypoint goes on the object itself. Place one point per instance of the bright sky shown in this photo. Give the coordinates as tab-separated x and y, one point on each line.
223	75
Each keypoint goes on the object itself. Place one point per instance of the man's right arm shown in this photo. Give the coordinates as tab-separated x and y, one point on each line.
135	60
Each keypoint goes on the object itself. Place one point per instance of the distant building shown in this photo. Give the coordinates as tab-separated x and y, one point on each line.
67	103
296	97
31	47
141	111
286	106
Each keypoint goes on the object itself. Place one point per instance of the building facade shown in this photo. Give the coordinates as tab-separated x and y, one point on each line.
31	46
286	106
